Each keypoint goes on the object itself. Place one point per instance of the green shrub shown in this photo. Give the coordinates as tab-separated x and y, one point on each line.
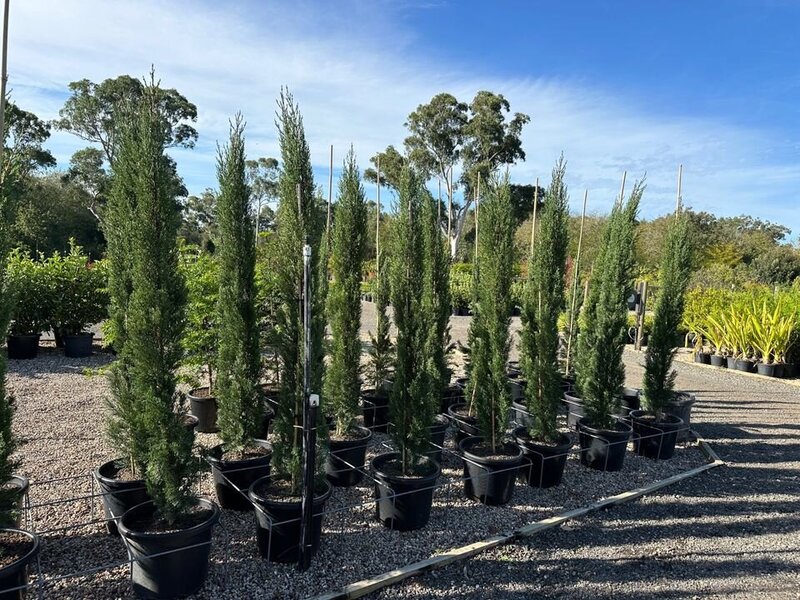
200	271
28	284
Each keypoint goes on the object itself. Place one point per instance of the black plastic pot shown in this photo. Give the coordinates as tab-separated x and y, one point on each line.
23	347
172	564
376	410
730	362
438	430
542	465
631	399
490	480
517	387
574	410
718	361
78	346
603	449
519	415
233	478
11	512
402	503
567	384
119	496
466	425
452	394
745	365
205	409
681	407
766	369
190	422
278	522
344	466
654	439
779	369
703	358
15	575
266	419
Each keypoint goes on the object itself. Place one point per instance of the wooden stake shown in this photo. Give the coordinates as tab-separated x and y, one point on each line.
535	206
450	206
477	201
575	278
640	317
622	189
678	199
378	214
330	199
3	81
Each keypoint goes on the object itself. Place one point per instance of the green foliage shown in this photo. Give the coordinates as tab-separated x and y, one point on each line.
599	370
200	271
148	308
413	397
489	339
342	385
199	223
239	359
543	302
676	265
28	285
460	289
299	221
380	352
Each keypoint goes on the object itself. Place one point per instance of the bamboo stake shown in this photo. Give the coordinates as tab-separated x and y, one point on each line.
330	199
3	81
450	206
622	189
535	207
678	199
575	279
477	202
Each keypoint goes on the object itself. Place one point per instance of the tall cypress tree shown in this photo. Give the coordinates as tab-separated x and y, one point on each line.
489	338
342	385
239	359
299	222
413	396
150	308
599	370
542	304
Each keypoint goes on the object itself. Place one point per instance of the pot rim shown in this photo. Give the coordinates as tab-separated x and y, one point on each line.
82	334
567	442
25	558
387	456
105	479
358	440
482	460
218	461
256	497
191	395
25	335
23	483
621	429
133	534
671	419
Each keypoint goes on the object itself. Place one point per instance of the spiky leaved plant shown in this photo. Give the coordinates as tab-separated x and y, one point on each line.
239	359
543	302
489	338
413	397
675	271
299	222
599	370
150	310
342	385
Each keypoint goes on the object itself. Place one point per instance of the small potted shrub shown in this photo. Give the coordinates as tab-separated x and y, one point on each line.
655	429
348	441
599	370
77	291
201	272
405	479
27	285
148	310
278	498
375	399
241	458
490	461
544	446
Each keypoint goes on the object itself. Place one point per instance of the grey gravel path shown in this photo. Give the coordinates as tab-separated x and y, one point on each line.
733	532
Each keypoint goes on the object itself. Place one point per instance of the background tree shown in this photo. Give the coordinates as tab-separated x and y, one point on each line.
262	177
342	384
392	164
239	360
199	222
543	302
488	335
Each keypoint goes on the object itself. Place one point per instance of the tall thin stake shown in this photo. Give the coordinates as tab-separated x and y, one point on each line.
535	207
477	202
3	81
678	199
450	208
330	199
622	189
575	279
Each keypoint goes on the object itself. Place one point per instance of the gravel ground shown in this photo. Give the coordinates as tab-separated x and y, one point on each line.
69	444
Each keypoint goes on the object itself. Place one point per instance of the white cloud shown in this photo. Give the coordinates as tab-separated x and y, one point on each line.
357	76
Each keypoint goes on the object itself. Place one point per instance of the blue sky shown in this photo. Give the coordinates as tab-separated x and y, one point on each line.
636	86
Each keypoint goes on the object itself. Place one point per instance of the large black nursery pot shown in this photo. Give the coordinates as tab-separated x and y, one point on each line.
118	495
652	438
631	399
767	369
23	347
375	407
204	407
717	360
172	564
466	424
79	345
278	521
489	479
542	464
603	449
344	466
11	511
233	478
452	394
266	419
14	576
681	406
745	365
402	502
438	431
574	409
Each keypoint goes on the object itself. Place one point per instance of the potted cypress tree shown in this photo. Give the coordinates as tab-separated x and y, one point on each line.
405	479
599	370
490	462
150	318
299	221
656	428
348	441
544	447
241	458
380	359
